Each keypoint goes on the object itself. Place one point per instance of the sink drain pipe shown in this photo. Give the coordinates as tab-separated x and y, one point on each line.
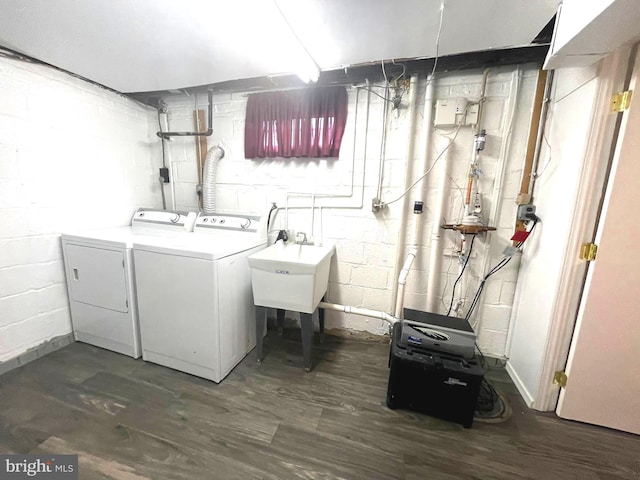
365	312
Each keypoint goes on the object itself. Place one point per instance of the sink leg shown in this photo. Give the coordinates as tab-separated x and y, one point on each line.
306	324
321	322
280	318
261	320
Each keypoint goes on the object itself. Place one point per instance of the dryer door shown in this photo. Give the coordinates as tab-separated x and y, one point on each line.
97	276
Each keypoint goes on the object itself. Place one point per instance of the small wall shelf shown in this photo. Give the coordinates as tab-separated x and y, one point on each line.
468	229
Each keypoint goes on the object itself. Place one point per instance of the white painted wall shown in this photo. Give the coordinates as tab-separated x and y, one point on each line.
362	272
555	197
72	155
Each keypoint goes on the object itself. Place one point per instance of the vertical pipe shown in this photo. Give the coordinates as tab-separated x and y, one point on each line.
321	231
435	253
383	141
402	236
313	211
402	280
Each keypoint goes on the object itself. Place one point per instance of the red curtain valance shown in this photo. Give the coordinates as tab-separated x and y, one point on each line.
298	123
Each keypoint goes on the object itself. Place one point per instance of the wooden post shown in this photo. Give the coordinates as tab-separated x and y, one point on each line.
531	142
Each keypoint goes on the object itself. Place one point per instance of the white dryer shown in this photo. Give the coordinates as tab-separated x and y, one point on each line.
100	282
195	300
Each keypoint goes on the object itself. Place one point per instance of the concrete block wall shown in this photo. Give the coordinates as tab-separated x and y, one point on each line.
72	155
363	271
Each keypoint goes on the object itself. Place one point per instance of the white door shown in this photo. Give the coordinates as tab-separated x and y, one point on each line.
96	276
603	368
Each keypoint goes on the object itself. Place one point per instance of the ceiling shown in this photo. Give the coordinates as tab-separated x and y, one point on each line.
153	45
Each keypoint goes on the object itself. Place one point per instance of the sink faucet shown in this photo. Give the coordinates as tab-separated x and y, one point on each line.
301	239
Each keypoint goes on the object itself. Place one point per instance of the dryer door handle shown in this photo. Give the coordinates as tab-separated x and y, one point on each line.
76	275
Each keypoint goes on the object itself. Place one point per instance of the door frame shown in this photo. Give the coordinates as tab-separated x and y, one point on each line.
613	76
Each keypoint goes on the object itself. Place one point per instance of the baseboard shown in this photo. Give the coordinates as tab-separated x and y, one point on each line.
36	352
515	378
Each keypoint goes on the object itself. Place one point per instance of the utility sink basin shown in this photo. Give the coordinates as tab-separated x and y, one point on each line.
290	276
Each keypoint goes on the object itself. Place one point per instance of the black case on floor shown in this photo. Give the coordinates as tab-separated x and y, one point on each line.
439	385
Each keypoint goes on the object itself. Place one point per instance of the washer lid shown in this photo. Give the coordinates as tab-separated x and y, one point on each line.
194	246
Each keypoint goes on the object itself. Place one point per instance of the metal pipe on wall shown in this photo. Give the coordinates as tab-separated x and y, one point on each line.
205	133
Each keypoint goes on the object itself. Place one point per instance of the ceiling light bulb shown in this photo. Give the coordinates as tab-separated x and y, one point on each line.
309	73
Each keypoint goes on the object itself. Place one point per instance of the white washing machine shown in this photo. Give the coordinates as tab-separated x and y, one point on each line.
100	282
194	295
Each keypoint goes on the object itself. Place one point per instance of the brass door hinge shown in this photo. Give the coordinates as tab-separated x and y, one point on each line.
620	101
560	378
588	252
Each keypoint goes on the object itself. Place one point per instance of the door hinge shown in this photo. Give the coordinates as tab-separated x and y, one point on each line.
560	378
620	101
588	252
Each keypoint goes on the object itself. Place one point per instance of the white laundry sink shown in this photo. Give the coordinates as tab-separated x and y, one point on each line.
291	277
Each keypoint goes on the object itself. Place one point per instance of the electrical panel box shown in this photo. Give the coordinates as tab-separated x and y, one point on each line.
472	114
526	212
455	111
445	112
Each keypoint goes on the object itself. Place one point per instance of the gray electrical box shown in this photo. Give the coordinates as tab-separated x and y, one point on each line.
526	212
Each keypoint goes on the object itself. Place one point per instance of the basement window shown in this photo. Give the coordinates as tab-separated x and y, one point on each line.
305	123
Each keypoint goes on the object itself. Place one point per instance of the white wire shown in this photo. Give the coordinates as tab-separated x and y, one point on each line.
435	61
384	73
446	283
429	170
404	70
536	175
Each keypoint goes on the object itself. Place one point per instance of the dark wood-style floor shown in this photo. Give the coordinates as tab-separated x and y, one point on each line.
128	419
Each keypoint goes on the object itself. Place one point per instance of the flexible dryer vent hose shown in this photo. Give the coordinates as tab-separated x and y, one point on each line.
209	180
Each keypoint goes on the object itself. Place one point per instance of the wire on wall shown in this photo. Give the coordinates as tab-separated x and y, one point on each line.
449	145
464	266
435	61
495	269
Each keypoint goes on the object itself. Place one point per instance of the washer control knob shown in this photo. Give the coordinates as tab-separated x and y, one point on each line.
175	218
246	223
222	220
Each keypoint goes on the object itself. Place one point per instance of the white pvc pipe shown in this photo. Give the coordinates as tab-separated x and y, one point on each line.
321	231
402	280
435	254
402	237
365	312
313	211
